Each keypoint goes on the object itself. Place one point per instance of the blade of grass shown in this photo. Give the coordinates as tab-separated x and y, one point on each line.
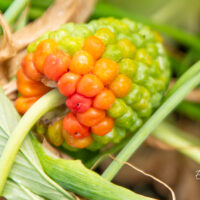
14	10
190	109
169	104
23	19
47	102
181	141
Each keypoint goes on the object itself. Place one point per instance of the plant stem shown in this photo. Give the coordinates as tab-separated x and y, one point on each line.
14	10
183	142
23	19
173	100
106	10
47	102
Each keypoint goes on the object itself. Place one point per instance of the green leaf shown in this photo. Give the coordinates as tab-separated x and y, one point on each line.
20	192
75	177
26	171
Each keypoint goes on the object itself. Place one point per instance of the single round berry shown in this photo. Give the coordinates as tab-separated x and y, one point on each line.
91	117
104	100
56	64
22	104
121	85
43	49
77	142
106	70
28	87
82	62
78	103
94	46
73	127
89	85
67	83
29	68
103	127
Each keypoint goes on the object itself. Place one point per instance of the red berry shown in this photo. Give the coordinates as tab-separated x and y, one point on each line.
78	103
67	83
89	85
73	127
56	64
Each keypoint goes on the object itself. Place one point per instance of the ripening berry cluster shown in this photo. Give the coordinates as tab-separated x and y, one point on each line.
113	73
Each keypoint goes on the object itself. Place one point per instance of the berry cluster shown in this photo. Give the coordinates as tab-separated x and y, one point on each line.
110	71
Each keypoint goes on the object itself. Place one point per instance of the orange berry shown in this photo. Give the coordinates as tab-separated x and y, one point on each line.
89	85
121	85
91	117
22	104
77	143
67	83
106	70
82	63
29	68
56	64
43	49
73	127
28	87
94	46
104	100
104	127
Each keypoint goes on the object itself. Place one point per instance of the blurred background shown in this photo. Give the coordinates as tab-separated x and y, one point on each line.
170	156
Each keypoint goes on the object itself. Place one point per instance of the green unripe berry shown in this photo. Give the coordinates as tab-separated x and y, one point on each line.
71	44
106	138
59	34
143	56
120	134
126	120
128	67
54	133
81	31
113	52
118	109
127	48
106	35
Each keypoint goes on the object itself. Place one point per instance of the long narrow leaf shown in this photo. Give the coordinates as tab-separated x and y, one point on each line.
181	141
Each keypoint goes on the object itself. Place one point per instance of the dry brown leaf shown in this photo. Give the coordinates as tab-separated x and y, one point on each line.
3	77
83	11
14	63
8	46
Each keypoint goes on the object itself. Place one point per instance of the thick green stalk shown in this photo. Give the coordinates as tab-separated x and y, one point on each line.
181	141
14	10
173	100
43	105
103	9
